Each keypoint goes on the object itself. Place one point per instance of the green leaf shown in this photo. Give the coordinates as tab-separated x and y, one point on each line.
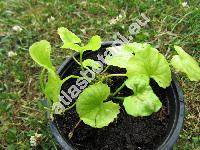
53	87
69	39
94	44
135	47
11	135
72	46
11	147
67	36
40	53
137	83
93	110
183	62
119	57
42	79
151	63
91	63
144	102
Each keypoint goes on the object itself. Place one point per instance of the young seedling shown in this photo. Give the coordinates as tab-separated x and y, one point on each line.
40	53
71	41
95	105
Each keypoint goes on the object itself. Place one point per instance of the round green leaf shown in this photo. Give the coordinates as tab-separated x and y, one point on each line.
40	53
151	63
142	103
119	57
185	63
93	110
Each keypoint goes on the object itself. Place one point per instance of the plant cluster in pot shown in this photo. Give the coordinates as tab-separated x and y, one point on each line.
112	96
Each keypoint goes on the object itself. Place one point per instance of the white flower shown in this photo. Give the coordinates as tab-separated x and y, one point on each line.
11	54
34	139
17	28
185	4
51	19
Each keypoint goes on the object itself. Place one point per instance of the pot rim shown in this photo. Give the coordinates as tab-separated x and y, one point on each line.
171	137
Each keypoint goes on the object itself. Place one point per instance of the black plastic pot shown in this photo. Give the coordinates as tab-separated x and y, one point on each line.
175	104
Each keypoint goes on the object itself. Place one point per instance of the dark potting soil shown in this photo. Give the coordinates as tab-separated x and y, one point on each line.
126	132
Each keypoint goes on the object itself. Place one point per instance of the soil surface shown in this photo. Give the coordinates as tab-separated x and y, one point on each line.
126	132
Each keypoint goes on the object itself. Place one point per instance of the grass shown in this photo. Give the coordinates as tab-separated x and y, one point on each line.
20	113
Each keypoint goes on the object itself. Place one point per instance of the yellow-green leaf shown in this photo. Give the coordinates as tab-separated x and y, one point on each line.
93	110
53	87
151	63
40	53
144	102
93	44
183	62
119	57
91	63
72	46
137	83
67	36
135	47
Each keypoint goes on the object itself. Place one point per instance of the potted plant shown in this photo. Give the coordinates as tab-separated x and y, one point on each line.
113	95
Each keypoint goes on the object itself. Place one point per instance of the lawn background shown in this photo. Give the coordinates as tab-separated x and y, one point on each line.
20	113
